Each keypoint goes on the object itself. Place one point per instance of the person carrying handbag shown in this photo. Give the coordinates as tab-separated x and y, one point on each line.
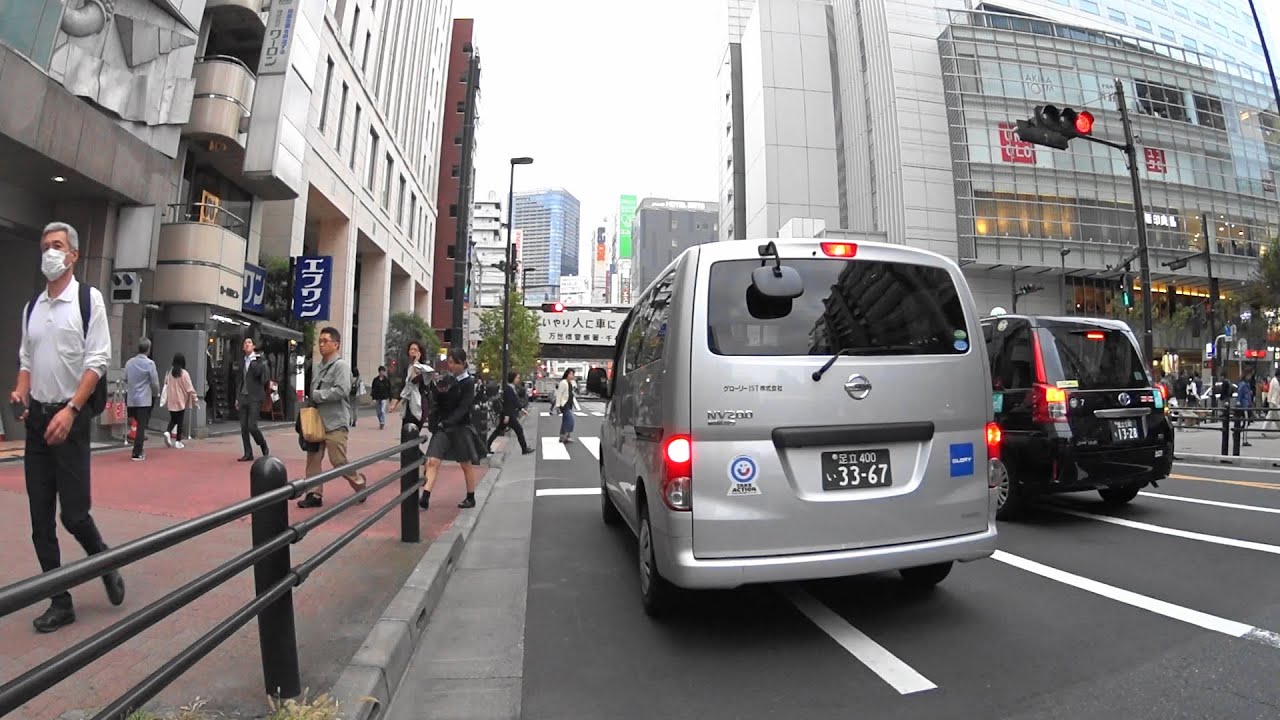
566	403
330	400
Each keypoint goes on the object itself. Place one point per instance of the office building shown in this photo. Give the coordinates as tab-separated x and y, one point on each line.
600	266
488	249
457	180
548	223
733	169
897	118
665	228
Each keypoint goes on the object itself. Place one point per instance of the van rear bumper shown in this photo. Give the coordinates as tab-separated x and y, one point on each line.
680	567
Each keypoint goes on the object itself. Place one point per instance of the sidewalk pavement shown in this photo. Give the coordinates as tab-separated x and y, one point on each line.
334	609
1207	440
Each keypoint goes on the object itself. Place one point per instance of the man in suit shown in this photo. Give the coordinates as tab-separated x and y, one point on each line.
248	389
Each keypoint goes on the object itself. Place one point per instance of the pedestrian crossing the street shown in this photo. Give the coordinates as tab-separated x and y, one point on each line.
553	449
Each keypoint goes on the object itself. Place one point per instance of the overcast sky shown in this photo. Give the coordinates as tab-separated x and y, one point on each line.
608	97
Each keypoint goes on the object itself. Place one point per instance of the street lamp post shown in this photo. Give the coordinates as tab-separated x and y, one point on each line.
508	274
524	278
1062	293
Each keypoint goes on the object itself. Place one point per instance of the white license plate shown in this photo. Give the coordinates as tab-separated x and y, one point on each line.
1122	430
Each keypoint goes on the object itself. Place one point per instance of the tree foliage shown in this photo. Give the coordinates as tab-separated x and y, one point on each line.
525	346
1263	290
278	302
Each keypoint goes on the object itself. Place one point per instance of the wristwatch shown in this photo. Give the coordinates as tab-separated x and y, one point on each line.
72	406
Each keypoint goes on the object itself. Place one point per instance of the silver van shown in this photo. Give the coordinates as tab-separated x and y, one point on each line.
800	409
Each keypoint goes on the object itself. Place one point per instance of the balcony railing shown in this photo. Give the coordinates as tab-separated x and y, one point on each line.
223	96
246	7
205	213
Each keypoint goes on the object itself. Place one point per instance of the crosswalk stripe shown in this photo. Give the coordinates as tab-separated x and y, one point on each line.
597	414
592	444
553	449
543	492
1175	532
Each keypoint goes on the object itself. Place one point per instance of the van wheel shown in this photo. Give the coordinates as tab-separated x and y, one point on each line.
1119	495
608	510
656	594
926	576
1011	498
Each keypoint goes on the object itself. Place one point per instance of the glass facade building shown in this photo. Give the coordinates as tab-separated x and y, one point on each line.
1208	139
549	220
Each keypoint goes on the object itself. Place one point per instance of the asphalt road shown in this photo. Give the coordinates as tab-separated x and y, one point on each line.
1161	609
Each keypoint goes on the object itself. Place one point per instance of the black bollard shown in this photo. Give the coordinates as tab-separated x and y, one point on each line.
1239	430
410	531
1226	427
276	635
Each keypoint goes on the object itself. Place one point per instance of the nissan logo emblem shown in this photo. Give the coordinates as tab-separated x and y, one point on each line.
857	387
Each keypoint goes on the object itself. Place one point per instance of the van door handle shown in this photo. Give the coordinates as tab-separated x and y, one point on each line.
649	433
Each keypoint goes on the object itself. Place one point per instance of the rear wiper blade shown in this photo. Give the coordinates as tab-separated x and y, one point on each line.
875	350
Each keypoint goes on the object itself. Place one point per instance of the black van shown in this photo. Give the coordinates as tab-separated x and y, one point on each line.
1077	407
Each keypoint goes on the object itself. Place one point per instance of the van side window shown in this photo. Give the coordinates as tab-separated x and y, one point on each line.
655	336
635	332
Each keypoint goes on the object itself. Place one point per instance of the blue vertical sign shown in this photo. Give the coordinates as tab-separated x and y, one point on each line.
253	297
312	280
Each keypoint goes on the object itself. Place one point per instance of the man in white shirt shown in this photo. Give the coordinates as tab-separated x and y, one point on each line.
61	361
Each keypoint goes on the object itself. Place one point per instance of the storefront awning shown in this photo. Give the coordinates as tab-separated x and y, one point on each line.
267	327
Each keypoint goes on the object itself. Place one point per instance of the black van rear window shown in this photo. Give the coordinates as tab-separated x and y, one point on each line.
863	306
1093	358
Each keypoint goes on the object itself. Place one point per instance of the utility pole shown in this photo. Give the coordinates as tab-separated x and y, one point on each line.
1144	262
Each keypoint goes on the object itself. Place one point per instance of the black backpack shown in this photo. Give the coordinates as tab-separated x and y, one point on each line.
98	400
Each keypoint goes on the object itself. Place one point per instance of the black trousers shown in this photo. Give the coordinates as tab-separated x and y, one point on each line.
176	418
59	474
143	416
249	426
513	423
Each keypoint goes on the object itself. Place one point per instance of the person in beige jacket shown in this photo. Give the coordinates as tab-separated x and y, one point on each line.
179	394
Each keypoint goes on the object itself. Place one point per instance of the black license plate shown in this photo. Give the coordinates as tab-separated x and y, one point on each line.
1125	430
856	469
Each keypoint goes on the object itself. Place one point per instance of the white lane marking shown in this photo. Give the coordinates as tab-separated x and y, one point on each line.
546	414
1187	534
596	414
1215	503
592	444
553	449
542	492
1227	468
897	673
1150	604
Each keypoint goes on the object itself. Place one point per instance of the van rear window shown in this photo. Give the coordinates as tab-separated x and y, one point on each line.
865	307
1093	358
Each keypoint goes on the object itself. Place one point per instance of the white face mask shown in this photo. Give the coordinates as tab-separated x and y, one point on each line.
53	264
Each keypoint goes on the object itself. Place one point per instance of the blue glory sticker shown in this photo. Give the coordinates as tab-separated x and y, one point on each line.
961	459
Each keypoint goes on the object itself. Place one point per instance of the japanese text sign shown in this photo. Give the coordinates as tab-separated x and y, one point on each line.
312	281
579	327
1014	150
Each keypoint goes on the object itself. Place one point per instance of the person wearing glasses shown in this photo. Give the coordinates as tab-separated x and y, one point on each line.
331	393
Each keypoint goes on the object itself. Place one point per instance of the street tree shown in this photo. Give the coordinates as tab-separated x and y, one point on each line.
1263	290
524	338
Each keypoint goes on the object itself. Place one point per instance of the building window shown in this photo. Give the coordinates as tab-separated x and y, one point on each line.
1142	24
455	171
413	213
324	97
1160	4
1116	15
364	57
400	202
1161	101
386	182
373	158
342	115
1181	11
1190	44
462	106
1202	21
453	210
1090	6
1221	30
1239	39
1211	51
457	140
1167	34
355	28
1209	112
355	133
30	27
463	79
451	252
448	291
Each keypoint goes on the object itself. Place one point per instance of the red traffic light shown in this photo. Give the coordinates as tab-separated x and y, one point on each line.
1084	122
554	307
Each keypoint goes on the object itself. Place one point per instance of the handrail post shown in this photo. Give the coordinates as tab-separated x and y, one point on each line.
410	531
277	637
1226	429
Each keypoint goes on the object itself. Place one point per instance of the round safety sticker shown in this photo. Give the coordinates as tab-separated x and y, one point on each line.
960	345
1000	326
742	469
961	335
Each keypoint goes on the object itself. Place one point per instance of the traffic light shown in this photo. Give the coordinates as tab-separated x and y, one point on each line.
1053	127
554	307
1126	291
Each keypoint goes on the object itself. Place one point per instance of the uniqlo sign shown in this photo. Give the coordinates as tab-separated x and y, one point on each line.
1156	161
1013	150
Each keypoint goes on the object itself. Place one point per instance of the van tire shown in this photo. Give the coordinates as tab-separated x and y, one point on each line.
926	576
1014	497
1119	495
608	511
656	594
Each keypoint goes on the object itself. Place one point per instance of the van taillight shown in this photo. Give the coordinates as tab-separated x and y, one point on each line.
994	436
839	249
677	481
1048	404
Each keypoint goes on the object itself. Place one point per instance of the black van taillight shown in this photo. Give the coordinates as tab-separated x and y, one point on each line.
1048	404
677	480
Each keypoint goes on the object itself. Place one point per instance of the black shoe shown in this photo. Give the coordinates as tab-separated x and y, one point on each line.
424	502
467	502
265	451
54	618
115	587
312	500
528	451
246	458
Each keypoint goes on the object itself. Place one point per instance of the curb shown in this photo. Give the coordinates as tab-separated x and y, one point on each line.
1236	460
370	680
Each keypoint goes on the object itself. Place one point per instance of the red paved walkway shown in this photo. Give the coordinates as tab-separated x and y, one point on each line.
335	608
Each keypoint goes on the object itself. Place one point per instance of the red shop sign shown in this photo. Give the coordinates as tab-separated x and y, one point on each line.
1156	161
1013	150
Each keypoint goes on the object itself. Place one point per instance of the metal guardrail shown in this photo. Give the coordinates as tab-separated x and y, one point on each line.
1235	422
274	579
